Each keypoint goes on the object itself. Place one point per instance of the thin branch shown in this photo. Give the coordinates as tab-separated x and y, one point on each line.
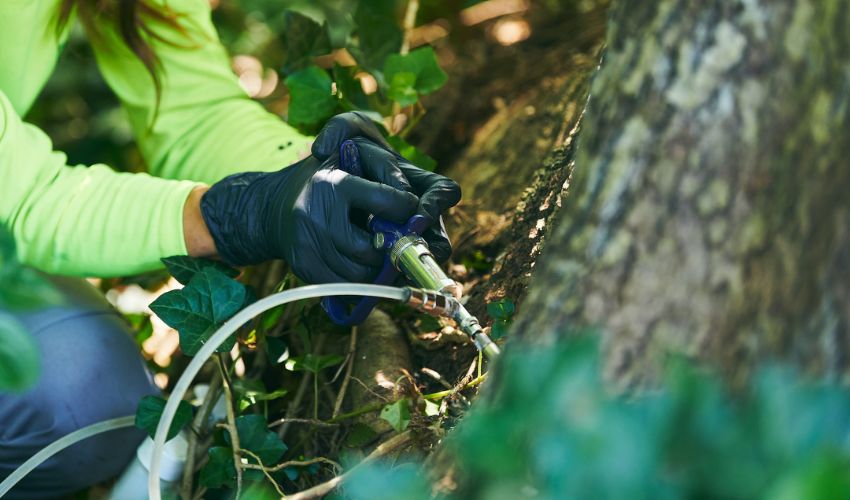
231	425
318	423
456	389
352	352
198	426
291	463
302	390
323	489
266	471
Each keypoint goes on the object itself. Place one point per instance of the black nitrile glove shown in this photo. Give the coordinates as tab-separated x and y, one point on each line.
436	193
302	214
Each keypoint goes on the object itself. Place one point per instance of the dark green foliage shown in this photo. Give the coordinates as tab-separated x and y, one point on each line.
312	101
349	89
184	268
219	470
303	38
378	33
255	437
150	410
501	311
198	309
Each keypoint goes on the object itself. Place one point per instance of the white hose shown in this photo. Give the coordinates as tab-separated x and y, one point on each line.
60	444
226	330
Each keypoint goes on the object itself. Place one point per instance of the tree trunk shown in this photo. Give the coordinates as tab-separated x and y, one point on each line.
708	210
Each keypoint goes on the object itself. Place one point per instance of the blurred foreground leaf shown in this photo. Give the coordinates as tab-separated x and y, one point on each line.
19	356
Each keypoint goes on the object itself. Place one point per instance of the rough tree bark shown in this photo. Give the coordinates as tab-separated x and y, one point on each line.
708	212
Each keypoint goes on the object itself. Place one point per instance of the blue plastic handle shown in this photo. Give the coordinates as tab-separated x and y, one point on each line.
338	310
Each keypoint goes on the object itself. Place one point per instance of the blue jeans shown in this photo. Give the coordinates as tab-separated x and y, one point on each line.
91	371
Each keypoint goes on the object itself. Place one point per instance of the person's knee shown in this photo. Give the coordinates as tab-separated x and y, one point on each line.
91	372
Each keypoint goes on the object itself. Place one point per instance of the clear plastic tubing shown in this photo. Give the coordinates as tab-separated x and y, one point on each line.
60	444
230	327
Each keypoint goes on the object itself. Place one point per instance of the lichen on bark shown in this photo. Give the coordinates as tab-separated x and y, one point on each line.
708	212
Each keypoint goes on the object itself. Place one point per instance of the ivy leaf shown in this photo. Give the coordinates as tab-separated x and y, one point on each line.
499	329
219	470
432	409
378	33
276	350
304	39
312	363
412	153
360	435
397	414
150	410
502	309
184	268
255	436
311	100
349	88
402	88
19	356
422	64
200	308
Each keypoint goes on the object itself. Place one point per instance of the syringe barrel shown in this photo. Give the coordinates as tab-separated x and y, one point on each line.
411	256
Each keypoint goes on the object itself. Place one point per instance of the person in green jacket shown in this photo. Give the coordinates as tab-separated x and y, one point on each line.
215	188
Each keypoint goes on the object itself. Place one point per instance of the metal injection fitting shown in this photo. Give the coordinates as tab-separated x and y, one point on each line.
433	303
437	304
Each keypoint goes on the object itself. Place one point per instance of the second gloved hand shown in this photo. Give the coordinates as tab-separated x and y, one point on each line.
302	214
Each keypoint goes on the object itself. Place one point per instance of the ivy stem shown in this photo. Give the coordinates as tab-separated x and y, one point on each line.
231	424
198	427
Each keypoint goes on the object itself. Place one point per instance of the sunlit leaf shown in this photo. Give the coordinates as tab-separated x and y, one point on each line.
419	71
150	410
402	89
19	356
397	414
432	409
198	309
311	100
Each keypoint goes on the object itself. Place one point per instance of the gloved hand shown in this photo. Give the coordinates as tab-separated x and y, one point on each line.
302	214
436	193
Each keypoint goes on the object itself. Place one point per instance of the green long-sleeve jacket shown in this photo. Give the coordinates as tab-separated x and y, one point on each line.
90	220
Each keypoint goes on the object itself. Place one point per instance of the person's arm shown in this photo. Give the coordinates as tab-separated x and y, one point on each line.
87	221
206	126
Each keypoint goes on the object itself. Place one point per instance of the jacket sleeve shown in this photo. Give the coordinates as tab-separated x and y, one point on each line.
205	127
79	220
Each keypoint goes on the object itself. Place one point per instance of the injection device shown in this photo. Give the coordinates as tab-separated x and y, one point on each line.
407	252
